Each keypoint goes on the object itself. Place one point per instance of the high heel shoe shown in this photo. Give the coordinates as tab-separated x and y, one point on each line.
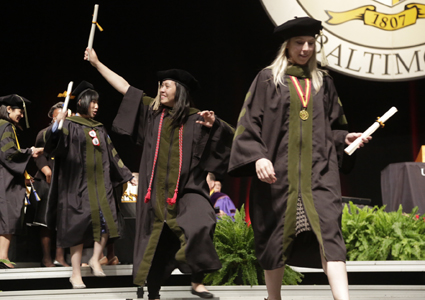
77	286
103	261
114	261
96	272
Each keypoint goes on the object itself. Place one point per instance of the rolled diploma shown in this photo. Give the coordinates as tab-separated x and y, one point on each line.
353	146
93	28
65	105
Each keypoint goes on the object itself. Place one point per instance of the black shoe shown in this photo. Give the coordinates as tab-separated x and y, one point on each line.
204	295
4	266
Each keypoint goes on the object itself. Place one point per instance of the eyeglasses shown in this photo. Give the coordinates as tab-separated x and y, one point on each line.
93	135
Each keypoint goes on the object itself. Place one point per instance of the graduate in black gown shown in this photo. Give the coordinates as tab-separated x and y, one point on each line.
290	137
87	168
38	210
175	220
13	162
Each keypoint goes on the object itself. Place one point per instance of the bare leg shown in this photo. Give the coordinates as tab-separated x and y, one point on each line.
110	252
60	256
337	277
274	283
46	237
4	247
97	252
76	254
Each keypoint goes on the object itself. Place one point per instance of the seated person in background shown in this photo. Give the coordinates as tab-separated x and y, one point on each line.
211	182
222	202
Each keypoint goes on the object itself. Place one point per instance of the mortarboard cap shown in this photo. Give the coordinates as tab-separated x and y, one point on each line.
16	101
181	76
84	85
304	26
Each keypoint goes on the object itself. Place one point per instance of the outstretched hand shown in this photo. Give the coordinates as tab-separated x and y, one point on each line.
36	152
209	118
91	56
134	181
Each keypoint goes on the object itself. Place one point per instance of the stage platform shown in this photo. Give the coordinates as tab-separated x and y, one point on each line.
368	280
226	293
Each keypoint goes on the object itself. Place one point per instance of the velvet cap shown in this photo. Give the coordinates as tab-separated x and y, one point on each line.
14	101
84	85
304	26
181	76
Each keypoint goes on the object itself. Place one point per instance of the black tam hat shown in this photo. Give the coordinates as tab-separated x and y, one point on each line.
82	87
299	27
16	101
180	76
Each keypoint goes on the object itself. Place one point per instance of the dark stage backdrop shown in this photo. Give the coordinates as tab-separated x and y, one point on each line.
224	43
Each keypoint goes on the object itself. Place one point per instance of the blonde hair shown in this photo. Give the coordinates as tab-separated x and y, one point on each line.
281	64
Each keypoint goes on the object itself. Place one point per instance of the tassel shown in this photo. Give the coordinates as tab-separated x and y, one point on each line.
35	193
148	196
324	61
172	201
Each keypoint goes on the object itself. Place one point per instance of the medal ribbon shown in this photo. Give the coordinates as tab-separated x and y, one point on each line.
304	96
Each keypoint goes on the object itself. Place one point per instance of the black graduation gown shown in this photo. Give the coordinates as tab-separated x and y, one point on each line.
13	163
37	213
83	181
305	156
192	218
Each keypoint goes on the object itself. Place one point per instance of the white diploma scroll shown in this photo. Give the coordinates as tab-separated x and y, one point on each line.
93	28
65	105
380	122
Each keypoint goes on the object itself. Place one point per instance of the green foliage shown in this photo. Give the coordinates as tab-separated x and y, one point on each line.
234	242
373	234
7	262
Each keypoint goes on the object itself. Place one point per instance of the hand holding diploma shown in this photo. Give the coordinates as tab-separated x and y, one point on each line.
65	105
93	28
354	140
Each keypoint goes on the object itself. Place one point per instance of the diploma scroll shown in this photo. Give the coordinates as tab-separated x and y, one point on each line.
65	105
93	28
380	122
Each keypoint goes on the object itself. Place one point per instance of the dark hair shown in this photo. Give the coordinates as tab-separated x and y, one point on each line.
85	98
4	115
58	105
182	103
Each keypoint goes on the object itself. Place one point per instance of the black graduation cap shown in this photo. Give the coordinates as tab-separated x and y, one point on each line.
304	26
16	101
181	76
84	85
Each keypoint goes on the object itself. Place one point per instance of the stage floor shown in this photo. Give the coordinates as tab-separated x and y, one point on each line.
228	293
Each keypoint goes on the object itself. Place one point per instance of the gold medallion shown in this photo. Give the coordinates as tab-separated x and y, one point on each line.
303	115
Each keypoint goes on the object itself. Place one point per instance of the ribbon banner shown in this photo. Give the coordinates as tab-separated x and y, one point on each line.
371	17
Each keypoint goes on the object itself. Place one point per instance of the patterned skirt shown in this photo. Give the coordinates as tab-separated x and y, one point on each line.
302	220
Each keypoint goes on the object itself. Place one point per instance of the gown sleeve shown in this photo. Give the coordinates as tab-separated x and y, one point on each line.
132	116
119	172
248	145
40	161
215	157
56	142
13	159
337	119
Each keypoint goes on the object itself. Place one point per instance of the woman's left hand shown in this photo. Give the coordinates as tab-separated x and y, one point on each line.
351	137
209	118
133	181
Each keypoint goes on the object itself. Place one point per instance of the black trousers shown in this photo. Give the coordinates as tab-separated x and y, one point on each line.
164	263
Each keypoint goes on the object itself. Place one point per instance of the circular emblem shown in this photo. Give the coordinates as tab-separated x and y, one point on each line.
372	39
303	115
96	142
92	133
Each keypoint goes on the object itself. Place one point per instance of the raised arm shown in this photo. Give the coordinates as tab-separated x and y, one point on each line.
119	83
